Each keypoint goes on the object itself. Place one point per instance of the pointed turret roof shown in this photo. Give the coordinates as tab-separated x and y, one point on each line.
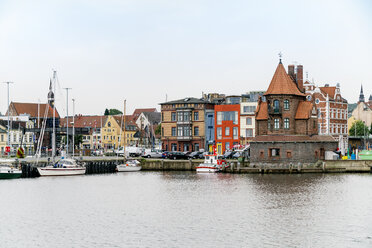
282	84
361	95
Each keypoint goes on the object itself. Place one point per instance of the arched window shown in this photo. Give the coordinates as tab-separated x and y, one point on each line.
286	104
109	124
276	105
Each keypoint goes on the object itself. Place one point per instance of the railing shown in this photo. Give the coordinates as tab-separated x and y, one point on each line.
275	111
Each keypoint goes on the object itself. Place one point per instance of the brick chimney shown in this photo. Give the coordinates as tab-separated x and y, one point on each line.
291	72
300	77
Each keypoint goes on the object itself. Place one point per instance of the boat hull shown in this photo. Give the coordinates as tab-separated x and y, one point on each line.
61	171
124	168
13	175
206	169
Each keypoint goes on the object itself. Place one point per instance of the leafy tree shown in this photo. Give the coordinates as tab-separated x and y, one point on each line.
360	127
158	129
370	129
78	140
115	112
107	112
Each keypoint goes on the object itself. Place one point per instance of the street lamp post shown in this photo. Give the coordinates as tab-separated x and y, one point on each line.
8	134
73	127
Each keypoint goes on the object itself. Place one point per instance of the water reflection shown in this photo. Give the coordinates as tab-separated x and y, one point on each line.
185	209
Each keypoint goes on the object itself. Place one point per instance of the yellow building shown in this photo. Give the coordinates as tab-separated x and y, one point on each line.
3	139
112	134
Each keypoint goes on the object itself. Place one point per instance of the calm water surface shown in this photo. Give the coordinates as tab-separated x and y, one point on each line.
184	209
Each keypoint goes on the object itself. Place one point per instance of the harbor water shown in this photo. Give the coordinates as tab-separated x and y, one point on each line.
185	209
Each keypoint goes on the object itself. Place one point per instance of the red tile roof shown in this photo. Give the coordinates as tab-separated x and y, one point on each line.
33	109
92	121
261	113
329	90
129	120
293	138
137	112
304	109
282	84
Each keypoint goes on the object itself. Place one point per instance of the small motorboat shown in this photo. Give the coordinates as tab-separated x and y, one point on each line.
212	163
8	171
129	166
64	167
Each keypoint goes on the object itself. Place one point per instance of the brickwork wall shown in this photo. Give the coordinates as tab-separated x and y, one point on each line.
290	152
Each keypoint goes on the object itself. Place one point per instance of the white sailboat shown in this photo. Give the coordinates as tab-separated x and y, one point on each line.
128	165
63	167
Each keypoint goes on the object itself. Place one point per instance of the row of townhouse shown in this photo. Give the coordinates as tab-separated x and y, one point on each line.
107	131
20	135
229	122
192	124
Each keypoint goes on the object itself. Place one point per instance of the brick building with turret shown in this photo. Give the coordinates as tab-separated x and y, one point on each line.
287	122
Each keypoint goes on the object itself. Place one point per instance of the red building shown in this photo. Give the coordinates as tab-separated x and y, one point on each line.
227	126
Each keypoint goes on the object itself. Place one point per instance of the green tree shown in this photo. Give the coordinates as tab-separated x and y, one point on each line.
107	112
158	130
358	128
78	140
115	112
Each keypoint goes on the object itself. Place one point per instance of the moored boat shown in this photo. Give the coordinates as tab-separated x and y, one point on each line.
64	167
129	166
211	163
8	171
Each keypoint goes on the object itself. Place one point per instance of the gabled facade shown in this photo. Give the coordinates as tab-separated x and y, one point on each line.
113	135
332	111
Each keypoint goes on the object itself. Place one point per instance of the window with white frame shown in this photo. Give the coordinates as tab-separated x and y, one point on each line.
276	123
249	121
227	131
235	132
286	123
219	132
249	132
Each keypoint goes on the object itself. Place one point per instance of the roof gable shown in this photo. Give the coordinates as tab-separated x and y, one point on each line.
282	84
34	110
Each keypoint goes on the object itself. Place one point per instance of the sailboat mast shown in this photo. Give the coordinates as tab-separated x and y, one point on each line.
54	117
125	103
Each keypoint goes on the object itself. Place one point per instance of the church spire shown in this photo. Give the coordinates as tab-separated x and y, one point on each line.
361	95
50	94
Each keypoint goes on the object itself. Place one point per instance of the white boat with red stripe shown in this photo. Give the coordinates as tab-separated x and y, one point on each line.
64	167
211	163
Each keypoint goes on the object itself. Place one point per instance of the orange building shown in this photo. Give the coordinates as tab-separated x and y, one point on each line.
227	126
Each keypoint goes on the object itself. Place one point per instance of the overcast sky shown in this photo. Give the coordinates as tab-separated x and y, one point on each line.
138	50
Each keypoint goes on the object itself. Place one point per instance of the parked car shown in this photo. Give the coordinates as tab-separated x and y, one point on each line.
236	155
97	153
177	155
228	154
165	154
148	153
196	155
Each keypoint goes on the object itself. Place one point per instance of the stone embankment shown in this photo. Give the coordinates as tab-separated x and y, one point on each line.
100	165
